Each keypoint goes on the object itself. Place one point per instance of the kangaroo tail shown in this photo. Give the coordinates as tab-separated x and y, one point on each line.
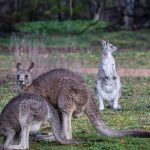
92	113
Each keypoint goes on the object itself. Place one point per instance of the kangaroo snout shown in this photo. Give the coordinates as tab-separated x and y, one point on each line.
21	82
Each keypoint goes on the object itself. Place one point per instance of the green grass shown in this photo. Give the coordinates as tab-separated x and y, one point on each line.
7	61
133	59
83	34
7	91
135	114
86	58
87	34
65	27
5	42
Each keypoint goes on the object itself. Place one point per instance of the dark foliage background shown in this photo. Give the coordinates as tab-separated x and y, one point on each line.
130	13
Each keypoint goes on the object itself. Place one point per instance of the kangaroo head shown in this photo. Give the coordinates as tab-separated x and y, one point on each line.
108	47
23	76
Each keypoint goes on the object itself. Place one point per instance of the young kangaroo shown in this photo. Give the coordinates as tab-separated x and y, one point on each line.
69	94
108	86
24	114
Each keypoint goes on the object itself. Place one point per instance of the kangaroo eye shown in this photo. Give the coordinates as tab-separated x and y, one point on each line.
18	76
26	76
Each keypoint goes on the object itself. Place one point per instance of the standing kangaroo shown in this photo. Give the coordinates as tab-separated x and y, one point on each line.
69	94
24	114
108	86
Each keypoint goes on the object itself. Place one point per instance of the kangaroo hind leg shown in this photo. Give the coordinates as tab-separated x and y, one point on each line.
24	142
66	126
9	138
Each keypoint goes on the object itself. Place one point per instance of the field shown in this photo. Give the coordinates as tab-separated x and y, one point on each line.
76	45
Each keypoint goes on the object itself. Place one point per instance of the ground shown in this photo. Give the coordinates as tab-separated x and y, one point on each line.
77	47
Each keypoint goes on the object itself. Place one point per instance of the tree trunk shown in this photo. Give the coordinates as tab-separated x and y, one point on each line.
128	15
100	6
71	9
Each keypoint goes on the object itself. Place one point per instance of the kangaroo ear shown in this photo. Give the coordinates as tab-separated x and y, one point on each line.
103	43
31	67
107	42
18	66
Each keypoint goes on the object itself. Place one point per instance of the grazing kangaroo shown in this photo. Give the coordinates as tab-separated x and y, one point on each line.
69	94
108	86
24	114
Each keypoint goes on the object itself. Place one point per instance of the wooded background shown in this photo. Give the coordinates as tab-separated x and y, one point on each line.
131	14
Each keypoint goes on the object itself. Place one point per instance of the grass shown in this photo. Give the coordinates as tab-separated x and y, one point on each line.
7	91
86	58
7	61
135	115
83	34
65	27
133	53
133	59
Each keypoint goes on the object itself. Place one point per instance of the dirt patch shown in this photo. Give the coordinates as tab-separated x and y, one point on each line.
123	72
5	49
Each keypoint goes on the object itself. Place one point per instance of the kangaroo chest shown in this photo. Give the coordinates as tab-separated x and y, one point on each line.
108	65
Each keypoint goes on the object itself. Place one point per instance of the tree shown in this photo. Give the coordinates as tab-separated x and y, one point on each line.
128	15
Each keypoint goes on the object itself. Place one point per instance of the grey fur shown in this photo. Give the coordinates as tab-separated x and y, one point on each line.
108	86
69	94
24	114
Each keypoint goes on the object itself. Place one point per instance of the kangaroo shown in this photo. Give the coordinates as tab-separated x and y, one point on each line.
69	94
108	86
24	114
